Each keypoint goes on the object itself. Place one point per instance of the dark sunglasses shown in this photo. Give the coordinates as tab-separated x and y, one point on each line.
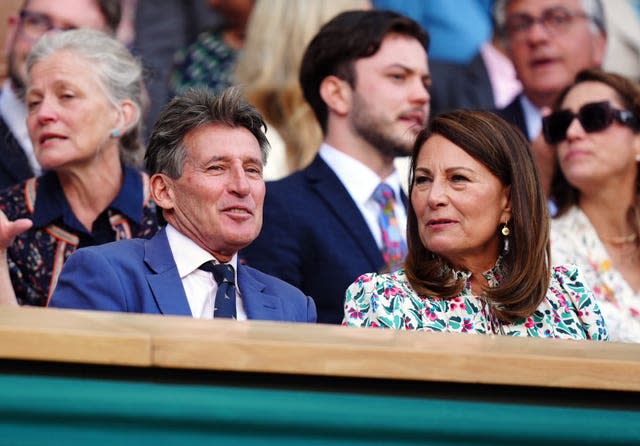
593	117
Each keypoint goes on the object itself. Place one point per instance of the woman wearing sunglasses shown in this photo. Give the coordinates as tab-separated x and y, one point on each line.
596	130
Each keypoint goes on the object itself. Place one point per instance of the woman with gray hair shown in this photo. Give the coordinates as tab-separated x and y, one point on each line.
84	97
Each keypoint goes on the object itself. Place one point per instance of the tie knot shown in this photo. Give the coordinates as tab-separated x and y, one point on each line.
383	195
222	272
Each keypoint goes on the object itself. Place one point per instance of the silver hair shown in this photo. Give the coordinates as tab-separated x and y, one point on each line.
593	8
118	73
193	109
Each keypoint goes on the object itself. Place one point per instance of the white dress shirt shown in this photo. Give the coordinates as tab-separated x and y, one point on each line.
532	118
199	286
14	113
361	182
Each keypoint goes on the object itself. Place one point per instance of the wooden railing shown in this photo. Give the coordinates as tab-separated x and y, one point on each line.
304	349
77	377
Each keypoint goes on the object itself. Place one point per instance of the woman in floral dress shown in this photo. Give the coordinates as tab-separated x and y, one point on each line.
478	240
596	192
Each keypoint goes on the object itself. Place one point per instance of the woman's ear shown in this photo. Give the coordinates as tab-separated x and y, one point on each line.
128	114
336	93
505	202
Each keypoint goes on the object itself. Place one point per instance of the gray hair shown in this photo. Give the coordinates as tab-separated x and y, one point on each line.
592	8
195	108
118	73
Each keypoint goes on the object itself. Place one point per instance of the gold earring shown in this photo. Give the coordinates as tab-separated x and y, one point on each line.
505	230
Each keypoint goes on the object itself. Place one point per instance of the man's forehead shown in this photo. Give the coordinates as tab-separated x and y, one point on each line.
537	6
78	13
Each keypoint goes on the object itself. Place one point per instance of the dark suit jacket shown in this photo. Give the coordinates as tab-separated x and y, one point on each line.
14	165
514	114
315	238
140	276
460	86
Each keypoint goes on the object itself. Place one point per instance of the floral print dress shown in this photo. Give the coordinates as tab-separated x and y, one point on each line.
569	310
575	240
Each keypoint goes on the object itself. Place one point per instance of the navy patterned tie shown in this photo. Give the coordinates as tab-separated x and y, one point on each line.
225	305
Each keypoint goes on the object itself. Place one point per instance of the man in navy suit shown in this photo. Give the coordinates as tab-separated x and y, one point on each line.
365	75
205	157
36	17
549	42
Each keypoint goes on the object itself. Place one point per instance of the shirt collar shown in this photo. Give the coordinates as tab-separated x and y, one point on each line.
51	203
494	276
188	255
532	117
359	180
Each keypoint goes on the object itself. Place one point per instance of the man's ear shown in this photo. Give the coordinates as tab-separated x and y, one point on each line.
336	93
12	29
161	188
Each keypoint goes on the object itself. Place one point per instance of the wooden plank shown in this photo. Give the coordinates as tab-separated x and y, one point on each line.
322	350
47	334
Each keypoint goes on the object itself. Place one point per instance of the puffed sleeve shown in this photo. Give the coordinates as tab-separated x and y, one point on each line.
360	301
569	281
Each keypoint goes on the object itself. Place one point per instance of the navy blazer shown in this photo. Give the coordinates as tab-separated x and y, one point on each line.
14	165
141	276
460	86
315	238
514	114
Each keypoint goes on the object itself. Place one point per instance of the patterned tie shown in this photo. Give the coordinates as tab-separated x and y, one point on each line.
225	305
394	248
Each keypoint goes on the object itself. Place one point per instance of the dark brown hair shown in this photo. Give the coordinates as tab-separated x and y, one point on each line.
564	194
506	153
349	36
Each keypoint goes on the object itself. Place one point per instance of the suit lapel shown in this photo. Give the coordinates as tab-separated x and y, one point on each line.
514	114
164	279
13	162
480	82
258	304
336	197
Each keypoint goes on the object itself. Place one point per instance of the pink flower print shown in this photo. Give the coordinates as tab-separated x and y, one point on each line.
430	314
530	323
634	312
456	302
408	324
467	326
392	291
355	314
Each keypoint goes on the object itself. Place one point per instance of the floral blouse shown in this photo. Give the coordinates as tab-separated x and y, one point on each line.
36	256
569	310
574	240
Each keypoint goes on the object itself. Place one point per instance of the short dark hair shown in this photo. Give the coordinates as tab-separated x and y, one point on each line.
111	12
195	108
506	153
349	36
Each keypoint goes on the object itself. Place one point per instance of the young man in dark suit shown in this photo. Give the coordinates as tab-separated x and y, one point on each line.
366	76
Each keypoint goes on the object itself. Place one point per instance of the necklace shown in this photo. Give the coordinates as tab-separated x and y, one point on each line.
621	240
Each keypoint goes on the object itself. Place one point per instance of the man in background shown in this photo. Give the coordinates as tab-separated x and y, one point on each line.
549	42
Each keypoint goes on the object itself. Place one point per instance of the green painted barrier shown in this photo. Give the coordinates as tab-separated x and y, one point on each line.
45	410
